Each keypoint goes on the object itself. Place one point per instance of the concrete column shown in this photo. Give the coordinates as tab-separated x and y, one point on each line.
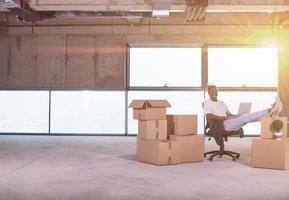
3	61
284	76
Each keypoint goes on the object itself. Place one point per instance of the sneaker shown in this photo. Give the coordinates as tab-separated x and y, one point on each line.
277	107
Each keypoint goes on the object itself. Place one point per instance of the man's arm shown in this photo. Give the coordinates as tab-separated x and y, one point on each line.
215	117
230	114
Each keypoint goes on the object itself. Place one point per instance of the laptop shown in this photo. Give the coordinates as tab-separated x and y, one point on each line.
244	108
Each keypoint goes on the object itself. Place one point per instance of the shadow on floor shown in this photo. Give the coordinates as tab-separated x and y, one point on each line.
131	157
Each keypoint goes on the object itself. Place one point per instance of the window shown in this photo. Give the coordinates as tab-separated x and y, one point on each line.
159	67
24	111
237	67
91	112
182	103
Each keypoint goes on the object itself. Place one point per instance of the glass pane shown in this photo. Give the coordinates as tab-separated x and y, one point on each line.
88	112
260	100
181	102
24	111
237	67
165	66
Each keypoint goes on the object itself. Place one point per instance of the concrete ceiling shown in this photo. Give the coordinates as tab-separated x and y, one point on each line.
146	5
140	9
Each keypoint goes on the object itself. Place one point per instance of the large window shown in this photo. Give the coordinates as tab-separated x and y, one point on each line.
172	73
159	67
243	67
90	112
24	112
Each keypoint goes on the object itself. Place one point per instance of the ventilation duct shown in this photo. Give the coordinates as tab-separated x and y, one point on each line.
161	8
196	10
87	14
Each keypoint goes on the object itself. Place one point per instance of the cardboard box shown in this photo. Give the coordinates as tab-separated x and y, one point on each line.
267	133
153	129
271	154
191	147
182	124
149	109
158	152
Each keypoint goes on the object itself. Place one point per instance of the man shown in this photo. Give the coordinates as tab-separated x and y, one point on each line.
218	110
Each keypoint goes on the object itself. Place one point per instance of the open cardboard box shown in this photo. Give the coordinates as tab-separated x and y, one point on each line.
149	109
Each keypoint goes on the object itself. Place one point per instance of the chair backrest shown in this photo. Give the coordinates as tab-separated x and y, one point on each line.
208	125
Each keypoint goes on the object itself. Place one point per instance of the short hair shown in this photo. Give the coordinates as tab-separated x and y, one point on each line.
211	87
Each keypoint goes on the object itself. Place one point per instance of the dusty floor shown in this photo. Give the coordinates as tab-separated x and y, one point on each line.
81	168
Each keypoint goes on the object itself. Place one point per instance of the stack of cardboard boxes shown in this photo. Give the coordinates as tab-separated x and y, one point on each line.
163	139
269	151
183	129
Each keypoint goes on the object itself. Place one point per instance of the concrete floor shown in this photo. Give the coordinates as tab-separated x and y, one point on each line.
82	168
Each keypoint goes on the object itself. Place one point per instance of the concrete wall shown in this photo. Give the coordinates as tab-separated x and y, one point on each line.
62	61
284	75
4	55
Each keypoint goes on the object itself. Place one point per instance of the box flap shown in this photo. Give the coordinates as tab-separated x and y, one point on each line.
137	104
149	103
158	103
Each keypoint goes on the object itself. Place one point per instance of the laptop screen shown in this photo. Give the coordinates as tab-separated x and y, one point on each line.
244	107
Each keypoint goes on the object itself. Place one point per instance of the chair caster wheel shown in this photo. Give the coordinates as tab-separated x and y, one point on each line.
234	159
211	158
237	156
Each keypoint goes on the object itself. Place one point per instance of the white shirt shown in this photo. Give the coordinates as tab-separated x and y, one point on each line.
218	108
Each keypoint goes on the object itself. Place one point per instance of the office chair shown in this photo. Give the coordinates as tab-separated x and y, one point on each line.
223	137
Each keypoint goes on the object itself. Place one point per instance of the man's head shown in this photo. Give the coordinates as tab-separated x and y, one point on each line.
213	92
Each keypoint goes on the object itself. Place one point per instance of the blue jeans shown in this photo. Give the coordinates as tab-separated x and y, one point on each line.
236	123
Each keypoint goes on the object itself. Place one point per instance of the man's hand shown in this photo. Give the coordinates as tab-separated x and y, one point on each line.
230	115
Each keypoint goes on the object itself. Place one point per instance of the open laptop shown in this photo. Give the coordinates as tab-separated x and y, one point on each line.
244	108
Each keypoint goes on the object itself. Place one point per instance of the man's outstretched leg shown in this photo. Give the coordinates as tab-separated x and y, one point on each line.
236	123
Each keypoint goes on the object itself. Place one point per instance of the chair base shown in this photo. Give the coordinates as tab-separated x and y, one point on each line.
220	153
